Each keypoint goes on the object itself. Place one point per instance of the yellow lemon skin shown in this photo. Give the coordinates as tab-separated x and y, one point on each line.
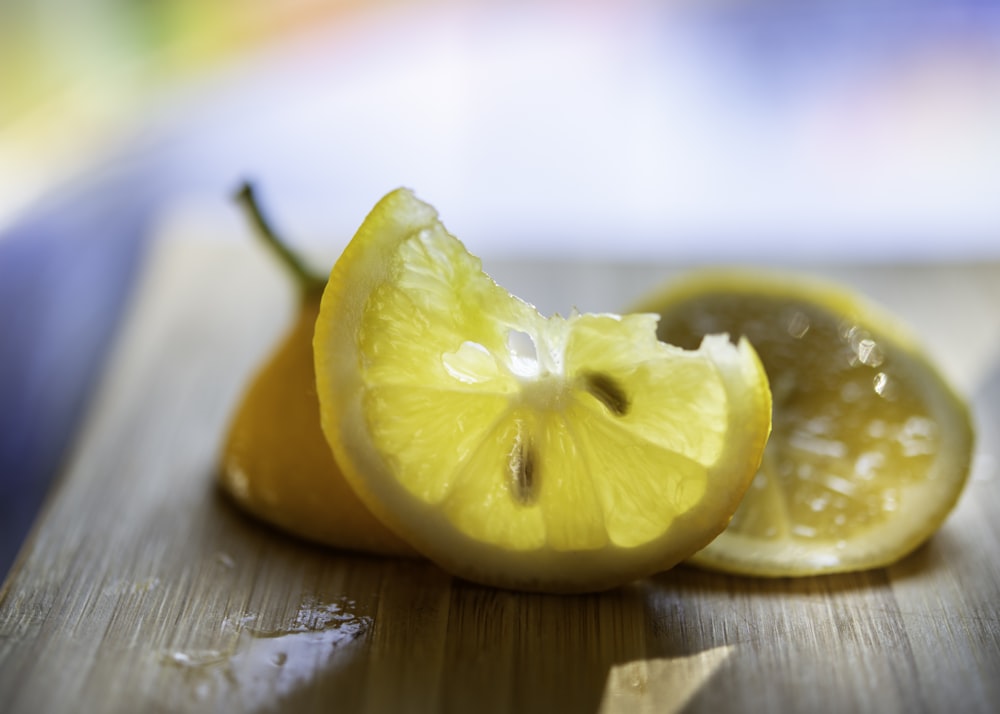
276	464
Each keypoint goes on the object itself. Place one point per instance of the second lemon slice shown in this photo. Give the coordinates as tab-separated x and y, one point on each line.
559	454
871	447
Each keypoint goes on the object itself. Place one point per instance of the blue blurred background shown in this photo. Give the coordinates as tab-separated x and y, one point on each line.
763	131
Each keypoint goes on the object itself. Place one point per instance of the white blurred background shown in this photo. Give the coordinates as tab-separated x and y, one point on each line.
720	130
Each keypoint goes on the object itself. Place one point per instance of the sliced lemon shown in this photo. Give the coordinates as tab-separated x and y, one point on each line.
871	448
557	454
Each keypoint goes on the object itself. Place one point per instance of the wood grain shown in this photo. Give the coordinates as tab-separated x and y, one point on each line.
142	589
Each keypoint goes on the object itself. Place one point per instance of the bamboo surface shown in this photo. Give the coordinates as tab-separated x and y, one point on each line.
141	588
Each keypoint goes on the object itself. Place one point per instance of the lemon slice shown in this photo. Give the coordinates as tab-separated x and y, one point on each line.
870	449
557	454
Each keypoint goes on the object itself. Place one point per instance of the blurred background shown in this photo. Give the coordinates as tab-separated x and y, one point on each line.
716	128
684	131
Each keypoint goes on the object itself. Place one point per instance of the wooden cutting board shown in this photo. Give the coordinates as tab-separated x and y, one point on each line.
142	589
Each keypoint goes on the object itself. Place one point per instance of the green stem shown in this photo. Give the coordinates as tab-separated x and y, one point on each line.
306	280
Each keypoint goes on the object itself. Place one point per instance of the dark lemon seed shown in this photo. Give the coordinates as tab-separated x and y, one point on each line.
607	391
522	471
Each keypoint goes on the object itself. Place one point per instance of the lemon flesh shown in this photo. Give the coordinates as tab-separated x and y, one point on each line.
870	448
559	454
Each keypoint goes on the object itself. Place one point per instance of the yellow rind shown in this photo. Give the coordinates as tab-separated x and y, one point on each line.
276	464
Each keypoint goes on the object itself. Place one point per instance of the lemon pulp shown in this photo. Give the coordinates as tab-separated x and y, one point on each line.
870	448
562	453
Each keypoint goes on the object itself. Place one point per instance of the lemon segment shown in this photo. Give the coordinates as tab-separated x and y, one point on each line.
563	453
871	448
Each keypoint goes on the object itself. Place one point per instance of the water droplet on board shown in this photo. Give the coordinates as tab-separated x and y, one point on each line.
194	658
263	666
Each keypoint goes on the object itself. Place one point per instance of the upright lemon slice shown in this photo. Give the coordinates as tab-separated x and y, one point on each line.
559	454
870	449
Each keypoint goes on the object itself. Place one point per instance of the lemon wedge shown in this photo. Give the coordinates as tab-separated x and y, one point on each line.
555	454
871	448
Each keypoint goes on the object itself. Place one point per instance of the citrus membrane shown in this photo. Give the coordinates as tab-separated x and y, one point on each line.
870	449
558	454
